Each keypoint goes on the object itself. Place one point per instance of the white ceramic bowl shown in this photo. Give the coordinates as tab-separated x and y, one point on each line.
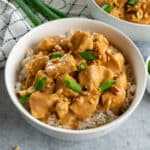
61	27
148	76
137	32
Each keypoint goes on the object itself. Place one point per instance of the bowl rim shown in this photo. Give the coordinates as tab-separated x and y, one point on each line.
118	19
102	128
147	60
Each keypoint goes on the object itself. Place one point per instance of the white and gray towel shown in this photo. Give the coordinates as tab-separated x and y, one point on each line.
14	23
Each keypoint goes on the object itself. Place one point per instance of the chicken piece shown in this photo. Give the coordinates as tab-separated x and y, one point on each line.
147	8
116	62
106	73
90	78
69	120
65	64
49	85
48	43
98	37
62	89
30	90
32	67
65	44
100	50
81	41
121	81
84	106
113	101
40	104
93	75
118	12
120	3
100	46
62	107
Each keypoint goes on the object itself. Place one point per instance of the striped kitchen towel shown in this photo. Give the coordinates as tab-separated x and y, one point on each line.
14	23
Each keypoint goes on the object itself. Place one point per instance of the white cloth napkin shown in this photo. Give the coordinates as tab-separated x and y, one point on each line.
14	23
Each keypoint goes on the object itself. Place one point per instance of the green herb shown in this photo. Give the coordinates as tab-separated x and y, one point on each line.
108	8
24	99
72	84
149	67
28	12
88	55
82	66
41	8
40	83
56	55
58	12
132	2
106	85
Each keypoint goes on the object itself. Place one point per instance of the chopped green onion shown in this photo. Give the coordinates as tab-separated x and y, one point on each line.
72	84
149	67
57	11
24	99
108	8
40	83
132	2
41	8
106	85
28	12
56	55
88	55
82	66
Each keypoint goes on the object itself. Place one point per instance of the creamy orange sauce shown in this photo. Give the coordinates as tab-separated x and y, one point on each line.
55	97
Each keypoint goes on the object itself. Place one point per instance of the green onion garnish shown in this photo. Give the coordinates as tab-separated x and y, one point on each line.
82	66
56	55
88	55
106	85
108	8
132	2
72	84
40	83
149	67
24	99
35	20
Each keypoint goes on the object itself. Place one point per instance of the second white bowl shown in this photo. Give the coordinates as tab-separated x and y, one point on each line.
137	32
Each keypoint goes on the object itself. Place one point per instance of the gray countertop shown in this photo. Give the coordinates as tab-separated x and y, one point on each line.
134	134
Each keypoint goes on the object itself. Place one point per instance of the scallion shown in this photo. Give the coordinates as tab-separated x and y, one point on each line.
28	12
40	83
72	84
88	55
24	98
106	85
46	12
58	12
56	55
132	2
108	8
149	67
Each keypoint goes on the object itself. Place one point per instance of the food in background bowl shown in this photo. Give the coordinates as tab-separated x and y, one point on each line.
78	81
137	11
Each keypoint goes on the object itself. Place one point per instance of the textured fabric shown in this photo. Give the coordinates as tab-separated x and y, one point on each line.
14	23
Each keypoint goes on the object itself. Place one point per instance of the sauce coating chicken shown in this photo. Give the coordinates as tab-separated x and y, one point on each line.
74	81
137	11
